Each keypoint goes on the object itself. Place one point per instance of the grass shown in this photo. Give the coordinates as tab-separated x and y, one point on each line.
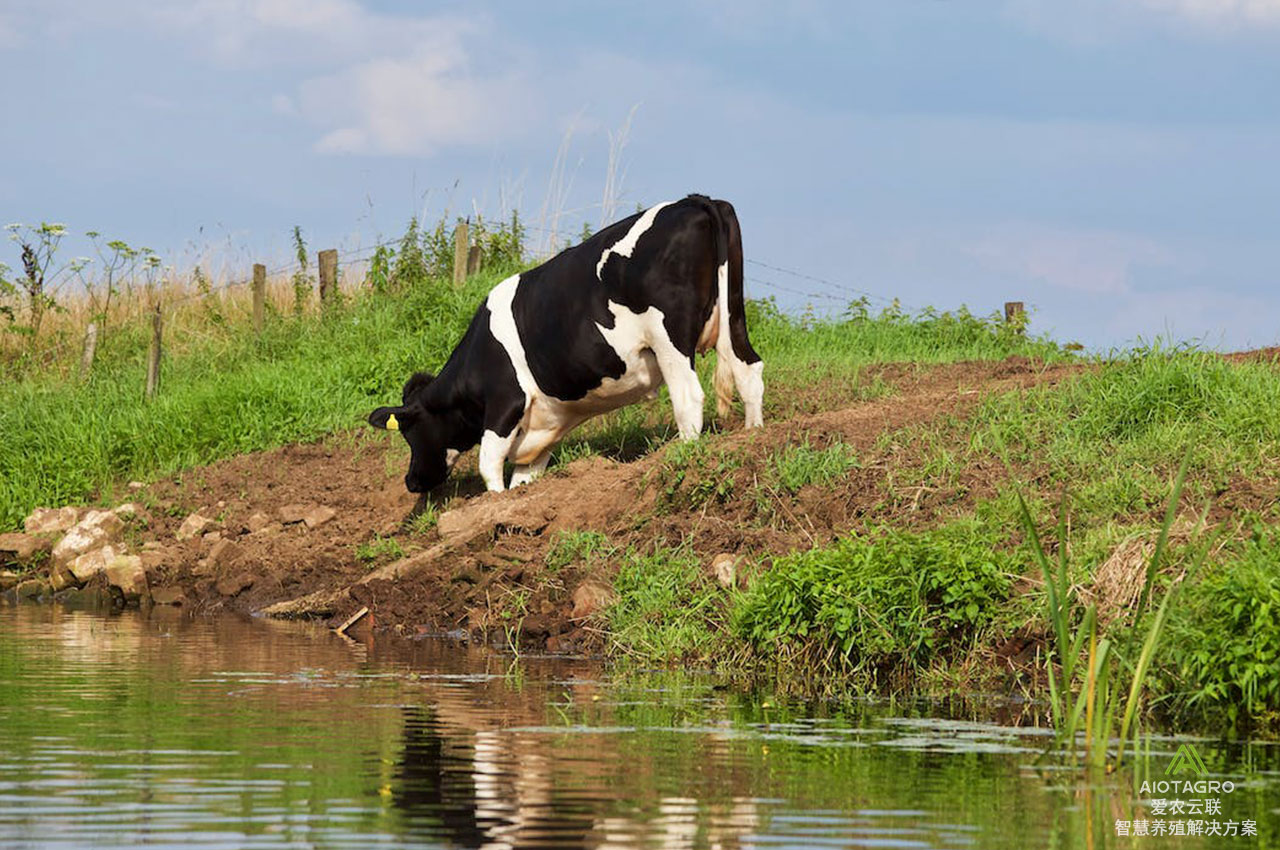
798	466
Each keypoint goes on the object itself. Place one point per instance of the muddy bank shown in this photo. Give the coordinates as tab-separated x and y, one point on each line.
327	529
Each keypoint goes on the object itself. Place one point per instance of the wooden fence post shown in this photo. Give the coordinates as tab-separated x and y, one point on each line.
153	359
460	242
328	260
90	348
259	296
1015	315
473	260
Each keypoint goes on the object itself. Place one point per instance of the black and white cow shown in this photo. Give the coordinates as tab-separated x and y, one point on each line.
599	326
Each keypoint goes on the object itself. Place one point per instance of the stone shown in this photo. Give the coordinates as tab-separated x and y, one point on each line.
61	577
8	579
591	598
88	565
135	486
169	596
51	520
19	548
82	597
156	558
257	522
319	515
32	588
289	514
132	512
232	585
191	526
269	528
97	529
211	538
725	568
126	573
224	554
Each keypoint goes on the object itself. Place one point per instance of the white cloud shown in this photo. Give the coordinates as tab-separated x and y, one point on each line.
1232	13
1085	261
409	105
369	82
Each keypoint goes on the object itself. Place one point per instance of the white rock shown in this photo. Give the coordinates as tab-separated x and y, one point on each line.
97	529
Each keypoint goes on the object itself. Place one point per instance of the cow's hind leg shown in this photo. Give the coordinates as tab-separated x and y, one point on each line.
528	472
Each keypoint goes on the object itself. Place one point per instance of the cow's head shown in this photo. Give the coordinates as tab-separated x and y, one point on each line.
425	430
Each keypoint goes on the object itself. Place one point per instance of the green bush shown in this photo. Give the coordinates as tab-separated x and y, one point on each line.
1225	638
883	598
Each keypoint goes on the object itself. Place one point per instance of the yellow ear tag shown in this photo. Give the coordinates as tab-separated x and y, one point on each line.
392	423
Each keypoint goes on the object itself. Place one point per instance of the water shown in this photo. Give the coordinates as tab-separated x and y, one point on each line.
158	730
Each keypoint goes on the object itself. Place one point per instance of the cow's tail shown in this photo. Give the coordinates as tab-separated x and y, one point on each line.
737	363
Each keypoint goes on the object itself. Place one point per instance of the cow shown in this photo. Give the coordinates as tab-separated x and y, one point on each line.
601	325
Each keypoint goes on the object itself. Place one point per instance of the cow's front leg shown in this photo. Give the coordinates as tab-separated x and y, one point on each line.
493	454
684	387
529	471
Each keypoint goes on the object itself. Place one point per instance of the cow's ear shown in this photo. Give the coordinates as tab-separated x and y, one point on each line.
415	385
392	418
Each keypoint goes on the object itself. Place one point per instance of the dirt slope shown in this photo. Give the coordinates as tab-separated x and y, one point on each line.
487	552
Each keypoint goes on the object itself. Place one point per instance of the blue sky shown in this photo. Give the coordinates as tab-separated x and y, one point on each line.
1113	163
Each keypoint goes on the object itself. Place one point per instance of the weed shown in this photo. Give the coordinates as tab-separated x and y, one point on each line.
379	549
577	547
667	607
796	466
881	599
692	474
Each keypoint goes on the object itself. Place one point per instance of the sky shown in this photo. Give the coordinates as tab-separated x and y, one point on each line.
1111	163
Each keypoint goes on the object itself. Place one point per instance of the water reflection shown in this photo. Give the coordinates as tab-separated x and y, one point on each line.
166	731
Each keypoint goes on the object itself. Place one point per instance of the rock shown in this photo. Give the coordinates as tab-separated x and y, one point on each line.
131	512
135	486
169	596
157	557
50	520
590	598
88	565
191	526
211	538
32	588
127	574
319	515
725	568
22	548
8	579
289	514
97	529
61	577
82	597
257	522
269	528
235	584
224	554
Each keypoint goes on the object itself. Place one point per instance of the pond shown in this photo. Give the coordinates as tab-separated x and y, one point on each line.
164	730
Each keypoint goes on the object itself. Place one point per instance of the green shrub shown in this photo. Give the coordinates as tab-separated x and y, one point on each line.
883	598
1225	638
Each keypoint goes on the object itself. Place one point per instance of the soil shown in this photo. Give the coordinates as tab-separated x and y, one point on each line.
480	572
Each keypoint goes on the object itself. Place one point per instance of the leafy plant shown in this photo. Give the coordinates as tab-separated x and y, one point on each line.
880	599
796	466
303	282
572	547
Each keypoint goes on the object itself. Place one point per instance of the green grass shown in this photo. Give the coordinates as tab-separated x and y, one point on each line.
379	549
798	466
577	547
668	607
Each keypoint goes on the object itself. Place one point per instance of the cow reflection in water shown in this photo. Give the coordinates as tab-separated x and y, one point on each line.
469	789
